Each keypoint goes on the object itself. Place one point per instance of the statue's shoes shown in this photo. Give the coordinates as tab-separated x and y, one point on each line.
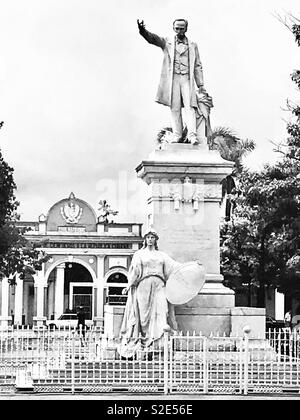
194	141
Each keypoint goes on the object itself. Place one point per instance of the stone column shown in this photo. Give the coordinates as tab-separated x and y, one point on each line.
5	317
19	301
59	290
39	289
184	208
98	319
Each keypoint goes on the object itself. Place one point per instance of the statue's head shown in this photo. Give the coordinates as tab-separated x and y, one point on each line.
180	27
150	237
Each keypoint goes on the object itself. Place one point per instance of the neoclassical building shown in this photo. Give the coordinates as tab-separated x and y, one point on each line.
88	265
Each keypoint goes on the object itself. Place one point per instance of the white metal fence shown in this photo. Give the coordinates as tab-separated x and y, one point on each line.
66	360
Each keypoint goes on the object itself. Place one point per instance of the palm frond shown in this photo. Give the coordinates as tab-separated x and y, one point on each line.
230	146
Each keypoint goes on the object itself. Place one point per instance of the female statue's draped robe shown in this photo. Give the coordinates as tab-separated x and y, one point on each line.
146	311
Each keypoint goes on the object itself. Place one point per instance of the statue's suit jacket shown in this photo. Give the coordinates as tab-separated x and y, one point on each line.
164	93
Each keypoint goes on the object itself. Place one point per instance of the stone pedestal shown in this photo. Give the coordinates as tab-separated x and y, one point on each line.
184	201
5	322
98	321
113	316
184	208
39	321
253	317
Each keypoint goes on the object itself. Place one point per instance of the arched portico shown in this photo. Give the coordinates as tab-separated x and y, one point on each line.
70	284
66	260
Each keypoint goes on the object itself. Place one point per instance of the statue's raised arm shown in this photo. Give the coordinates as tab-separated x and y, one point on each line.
150	37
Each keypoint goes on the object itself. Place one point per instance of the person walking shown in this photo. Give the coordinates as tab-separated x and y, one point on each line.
81	316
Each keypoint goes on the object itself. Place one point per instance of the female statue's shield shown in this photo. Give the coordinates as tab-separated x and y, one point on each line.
185	282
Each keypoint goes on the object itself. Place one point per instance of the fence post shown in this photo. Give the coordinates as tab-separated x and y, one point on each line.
205	364
73	363
246	331
166	359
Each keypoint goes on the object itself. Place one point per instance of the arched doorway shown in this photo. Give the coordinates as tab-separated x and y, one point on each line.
115	283
70	285
78	288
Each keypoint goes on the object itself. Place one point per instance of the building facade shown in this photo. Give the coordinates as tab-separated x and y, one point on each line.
88	264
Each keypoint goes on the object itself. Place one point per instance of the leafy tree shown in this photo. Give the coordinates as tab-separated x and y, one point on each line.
17	254
260	245
263	233
291	148
8	203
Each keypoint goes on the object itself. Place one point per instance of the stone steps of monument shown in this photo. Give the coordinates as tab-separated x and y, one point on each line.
182	361
105	374
187	380
8	378
111	373
217	343
94	386
224	353
226	357
119	371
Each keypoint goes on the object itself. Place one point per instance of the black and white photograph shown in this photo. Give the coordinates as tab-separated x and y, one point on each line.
149	202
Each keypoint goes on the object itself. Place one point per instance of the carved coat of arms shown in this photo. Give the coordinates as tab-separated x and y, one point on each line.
71	211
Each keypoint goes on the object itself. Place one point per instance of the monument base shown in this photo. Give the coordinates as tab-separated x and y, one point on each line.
113	316
5	322
205	320
39	321
255	318
212	311
220	321
184	196
213	294
98	322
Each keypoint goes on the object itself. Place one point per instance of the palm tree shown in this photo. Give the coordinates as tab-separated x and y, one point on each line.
231	148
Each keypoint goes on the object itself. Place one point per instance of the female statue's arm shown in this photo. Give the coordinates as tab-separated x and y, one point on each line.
135	272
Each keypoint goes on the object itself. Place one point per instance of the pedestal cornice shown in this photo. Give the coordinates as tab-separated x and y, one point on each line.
180	160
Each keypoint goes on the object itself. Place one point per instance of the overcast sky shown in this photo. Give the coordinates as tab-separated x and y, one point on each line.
78	82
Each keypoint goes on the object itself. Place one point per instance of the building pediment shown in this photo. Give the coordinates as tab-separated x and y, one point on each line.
71	215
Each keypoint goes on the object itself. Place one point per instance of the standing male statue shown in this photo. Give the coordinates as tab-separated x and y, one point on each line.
181	74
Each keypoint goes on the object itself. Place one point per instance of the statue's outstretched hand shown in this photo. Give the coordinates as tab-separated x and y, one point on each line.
141	24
